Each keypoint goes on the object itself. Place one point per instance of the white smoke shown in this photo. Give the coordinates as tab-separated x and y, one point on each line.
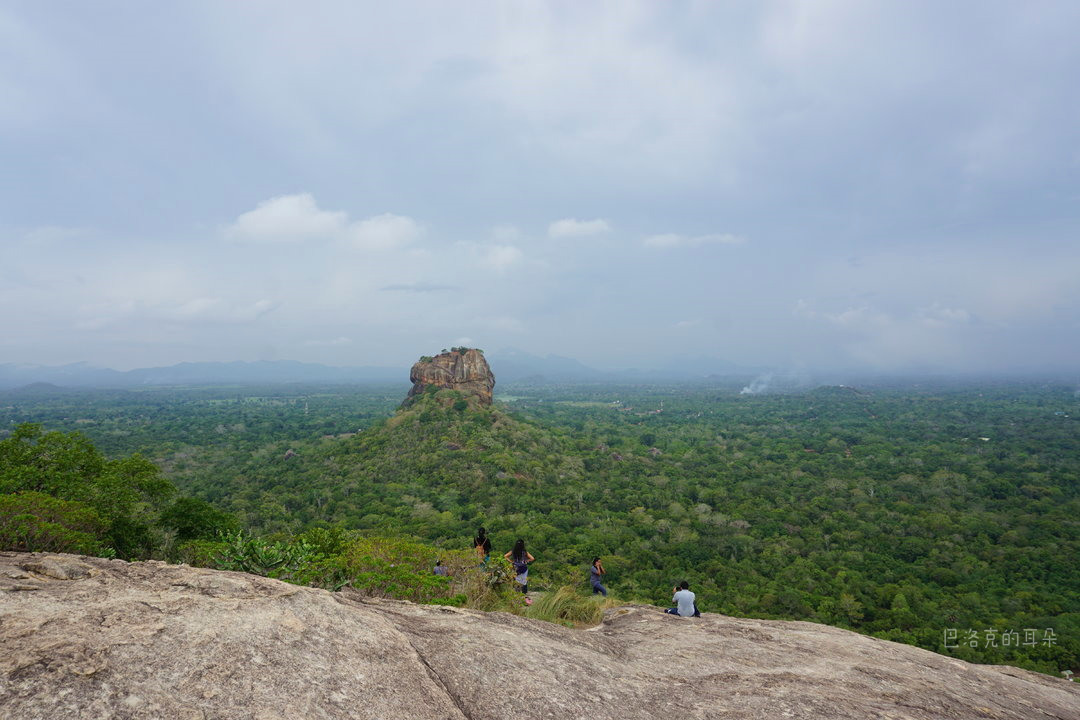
759	385
778	382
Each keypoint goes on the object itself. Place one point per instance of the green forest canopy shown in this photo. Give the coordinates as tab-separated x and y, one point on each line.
902	512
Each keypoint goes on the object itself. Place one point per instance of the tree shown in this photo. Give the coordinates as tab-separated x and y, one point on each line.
124	493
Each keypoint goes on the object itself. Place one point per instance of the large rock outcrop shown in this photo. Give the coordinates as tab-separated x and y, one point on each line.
95	638
460	369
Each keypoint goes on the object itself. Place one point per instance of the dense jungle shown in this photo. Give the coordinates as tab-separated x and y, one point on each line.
940	514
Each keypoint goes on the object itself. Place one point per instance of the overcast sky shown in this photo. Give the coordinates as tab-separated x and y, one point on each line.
877	185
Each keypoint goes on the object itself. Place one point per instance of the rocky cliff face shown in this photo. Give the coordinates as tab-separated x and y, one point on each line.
89	637
464	370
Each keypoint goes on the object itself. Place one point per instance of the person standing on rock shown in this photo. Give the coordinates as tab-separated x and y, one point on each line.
521	559
684	600
595	572
482	543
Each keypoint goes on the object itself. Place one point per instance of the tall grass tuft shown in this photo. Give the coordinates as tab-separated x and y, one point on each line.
568	606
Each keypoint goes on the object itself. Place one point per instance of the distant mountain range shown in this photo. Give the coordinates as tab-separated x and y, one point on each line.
199	373
509	365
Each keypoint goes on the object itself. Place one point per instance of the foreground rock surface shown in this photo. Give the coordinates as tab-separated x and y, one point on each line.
466	371
95	638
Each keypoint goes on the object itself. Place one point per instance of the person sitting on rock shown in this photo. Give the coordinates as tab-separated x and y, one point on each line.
521	559
684	600
441	569
595	572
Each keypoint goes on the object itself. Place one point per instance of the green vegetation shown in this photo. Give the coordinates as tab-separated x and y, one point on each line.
36	522
901	512
58	491
373	566
569	605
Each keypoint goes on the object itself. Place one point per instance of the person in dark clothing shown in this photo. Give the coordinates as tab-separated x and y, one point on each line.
595	573
482	543
521	559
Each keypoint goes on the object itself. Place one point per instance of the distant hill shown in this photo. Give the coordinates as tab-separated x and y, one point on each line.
510	366
200	373
516	366
39	389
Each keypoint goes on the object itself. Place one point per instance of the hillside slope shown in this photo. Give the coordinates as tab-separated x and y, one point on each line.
89	637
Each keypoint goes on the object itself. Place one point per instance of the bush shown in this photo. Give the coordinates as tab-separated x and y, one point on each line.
36	522
397	568
568	606
195	519
65	466
373	566
199	553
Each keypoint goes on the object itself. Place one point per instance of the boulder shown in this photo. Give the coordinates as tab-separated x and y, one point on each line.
89	637
460	369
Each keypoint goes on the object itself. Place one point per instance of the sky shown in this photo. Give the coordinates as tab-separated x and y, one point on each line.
842	184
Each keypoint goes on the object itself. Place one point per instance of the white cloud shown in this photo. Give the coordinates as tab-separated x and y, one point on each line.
196	311
673	240
683	324
502	257
384	232
297	218
286	218
505	233
938	316
922	336
571	227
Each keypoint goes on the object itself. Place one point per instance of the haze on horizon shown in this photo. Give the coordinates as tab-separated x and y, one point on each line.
839	184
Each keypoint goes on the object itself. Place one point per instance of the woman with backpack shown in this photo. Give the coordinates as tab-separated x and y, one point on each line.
482	544
521	559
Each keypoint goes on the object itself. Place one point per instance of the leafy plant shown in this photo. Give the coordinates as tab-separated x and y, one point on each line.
36	522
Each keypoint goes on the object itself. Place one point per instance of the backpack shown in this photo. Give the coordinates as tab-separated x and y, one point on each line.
520	566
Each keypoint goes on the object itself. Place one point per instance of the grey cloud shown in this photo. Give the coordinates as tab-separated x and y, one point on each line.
905	169
419	288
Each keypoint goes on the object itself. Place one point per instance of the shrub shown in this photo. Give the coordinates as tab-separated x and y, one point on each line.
566	605
195	519
36	522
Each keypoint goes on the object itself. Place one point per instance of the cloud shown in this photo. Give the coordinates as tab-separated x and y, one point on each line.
297	218
335	342
923	336
684	324
284	219
419	287
672	240
500	323
570	227
505	233
384	232
53	234
938	316
196	311
502	257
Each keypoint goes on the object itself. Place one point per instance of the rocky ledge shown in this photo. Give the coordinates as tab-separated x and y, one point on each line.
461	369
94	638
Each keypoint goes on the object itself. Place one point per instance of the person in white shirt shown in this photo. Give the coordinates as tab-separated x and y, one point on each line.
684	601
